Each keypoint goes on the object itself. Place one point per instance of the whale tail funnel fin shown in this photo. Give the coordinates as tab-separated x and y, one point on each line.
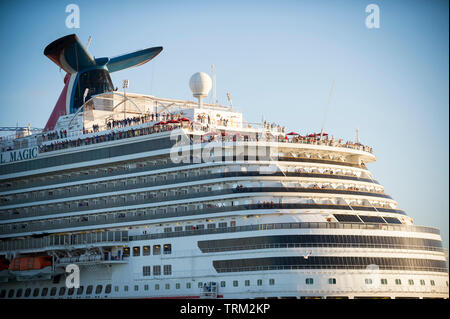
88	73
69	54
133	59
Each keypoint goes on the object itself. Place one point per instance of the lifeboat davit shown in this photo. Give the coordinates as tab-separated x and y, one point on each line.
31	268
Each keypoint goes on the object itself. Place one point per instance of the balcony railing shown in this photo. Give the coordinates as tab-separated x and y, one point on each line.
64	241
102	188
194	195
319	245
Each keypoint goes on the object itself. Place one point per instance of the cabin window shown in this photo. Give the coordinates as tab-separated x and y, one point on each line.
247	283
136	251
145	270
167	286
156	249
62	291
70	291
44	292
177	285
10	293
53	291
398	282
98	289
19	293
27	292
146	251
80	290
188	285
108	289
332	281
157	287
167	269
167	249
89	289
211	226
145	287
3	293
156	270
126	252
309	281
235	283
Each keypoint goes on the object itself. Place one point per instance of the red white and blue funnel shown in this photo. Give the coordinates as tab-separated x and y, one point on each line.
85	72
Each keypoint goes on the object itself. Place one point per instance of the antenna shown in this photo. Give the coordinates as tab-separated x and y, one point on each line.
357	135
230	100
213	92
89	42
326	110
125	86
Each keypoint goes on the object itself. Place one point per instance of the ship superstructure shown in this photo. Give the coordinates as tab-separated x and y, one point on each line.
153	197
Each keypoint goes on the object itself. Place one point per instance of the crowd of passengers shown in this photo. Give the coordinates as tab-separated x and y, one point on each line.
111	136
150	117
274	127
203	118
316	140
206	119
241	188
54	135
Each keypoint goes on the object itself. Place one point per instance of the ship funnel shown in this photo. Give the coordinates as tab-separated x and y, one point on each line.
86	72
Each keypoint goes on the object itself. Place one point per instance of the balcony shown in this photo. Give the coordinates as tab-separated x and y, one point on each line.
128	200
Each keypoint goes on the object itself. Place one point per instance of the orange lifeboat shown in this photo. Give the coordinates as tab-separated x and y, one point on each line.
31	267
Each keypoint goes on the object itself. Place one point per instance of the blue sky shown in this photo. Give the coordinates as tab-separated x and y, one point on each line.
277	59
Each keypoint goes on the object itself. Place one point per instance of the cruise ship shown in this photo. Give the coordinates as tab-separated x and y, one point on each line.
126	195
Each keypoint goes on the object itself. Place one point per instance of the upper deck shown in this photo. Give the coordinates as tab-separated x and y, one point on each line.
110	117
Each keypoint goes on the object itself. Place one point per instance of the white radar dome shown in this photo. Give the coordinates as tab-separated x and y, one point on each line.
200	84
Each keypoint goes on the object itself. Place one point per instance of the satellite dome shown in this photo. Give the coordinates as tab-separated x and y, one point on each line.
200	84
